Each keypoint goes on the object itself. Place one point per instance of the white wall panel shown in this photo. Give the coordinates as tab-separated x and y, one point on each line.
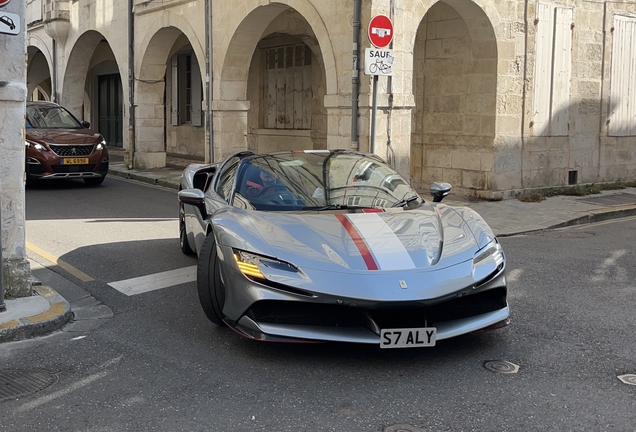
553	70
562	67
623	78
543	68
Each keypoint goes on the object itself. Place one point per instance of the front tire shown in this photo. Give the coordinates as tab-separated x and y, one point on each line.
209	285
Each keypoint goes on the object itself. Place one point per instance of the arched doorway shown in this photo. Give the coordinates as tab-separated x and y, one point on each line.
273	83
455	88
38	75
92	87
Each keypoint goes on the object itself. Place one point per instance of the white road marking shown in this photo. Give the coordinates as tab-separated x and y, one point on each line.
48	398
155	281
385	246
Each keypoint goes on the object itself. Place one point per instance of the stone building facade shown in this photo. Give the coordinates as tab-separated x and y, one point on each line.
493	96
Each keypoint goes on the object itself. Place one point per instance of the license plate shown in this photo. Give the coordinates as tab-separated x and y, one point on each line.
408	337
75	161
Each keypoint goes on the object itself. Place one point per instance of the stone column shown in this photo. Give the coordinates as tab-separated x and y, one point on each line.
230	127
338	121
392	125
149	126
13	93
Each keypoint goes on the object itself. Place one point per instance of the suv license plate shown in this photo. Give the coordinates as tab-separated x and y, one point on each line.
408	337
75	161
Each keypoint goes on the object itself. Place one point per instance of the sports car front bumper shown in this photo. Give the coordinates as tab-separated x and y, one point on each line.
359	306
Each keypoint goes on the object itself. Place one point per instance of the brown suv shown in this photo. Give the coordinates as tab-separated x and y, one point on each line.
58	146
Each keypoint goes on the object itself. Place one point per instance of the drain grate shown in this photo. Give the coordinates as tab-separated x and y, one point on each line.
501	366
612	200
19	383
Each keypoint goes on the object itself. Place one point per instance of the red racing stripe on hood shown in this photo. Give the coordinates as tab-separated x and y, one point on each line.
358	241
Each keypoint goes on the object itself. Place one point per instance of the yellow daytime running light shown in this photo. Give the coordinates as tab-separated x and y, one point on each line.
248	269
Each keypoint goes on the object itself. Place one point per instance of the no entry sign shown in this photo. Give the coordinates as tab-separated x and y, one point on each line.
4	2
380	31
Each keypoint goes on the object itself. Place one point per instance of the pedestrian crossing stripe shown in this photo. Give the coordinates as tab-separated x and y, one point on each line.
156	281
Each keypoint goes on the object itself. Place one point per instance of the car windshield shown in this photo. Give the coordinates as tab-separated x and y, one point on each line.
319	180
50	117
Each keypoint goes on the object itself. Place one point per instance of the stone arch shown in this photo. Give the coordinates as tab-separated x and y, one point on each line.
455	60
92	86
155	134
77	68
37	42
159	35
482	18
246	34
38	72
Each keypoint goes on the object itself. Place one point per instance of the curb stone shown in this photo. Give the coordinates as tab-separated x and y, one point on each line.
58	314
145	179
599	216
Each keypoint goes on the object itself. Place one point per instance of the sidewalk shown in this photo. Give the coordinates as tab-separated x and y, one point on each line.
47	311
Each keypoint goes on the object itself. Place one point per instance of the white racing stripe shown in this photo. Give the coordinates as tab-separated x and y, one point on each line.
386	247
155	281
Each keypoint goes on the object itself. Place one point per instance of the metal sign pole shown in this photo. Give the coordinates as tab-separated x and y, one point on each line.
374	111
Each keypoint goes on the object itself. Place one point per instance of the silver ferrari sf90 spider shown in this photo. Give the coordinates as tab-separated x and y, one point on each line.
315	246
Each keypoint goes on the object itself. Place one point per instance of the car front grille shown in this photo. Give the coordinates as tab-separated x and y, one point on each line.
310	314
454	309
65	169
327	315
72	150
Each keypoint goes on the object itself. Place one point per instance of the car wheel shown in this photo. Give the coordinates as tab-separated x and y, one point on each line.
183	238
94	181
209	285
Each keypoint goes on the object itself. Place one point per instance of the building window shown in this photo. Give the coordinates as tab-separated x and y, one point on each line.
287	87
186	92
623	78
553	70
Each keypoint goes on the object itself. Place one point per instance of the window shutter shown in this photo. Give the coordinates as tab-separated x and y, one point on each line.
197	118
562	72
553	70
174	106
623	81
543	68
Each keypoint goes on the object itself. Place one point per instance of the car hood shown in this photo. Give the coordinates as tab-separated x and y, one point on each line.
63	136
430	237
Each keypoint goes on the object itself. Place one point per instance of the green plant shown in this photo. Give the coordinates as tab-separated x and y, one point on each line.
531	197
578	190
613	186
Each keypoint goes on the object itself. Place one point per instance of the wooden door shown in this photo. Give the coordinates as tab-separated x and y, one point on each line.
110	110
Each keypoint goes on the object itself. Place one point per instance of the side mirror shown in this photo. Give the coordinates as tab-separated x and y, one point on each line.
194	197
86	124
439	190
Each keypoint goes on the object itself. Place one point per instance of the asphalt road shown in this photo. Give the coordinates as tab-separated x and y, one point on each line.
158	364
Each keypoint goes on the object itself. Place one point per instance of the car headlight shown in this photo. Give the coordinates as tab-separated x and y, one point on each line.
37	146
251	264
101	145
487	260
